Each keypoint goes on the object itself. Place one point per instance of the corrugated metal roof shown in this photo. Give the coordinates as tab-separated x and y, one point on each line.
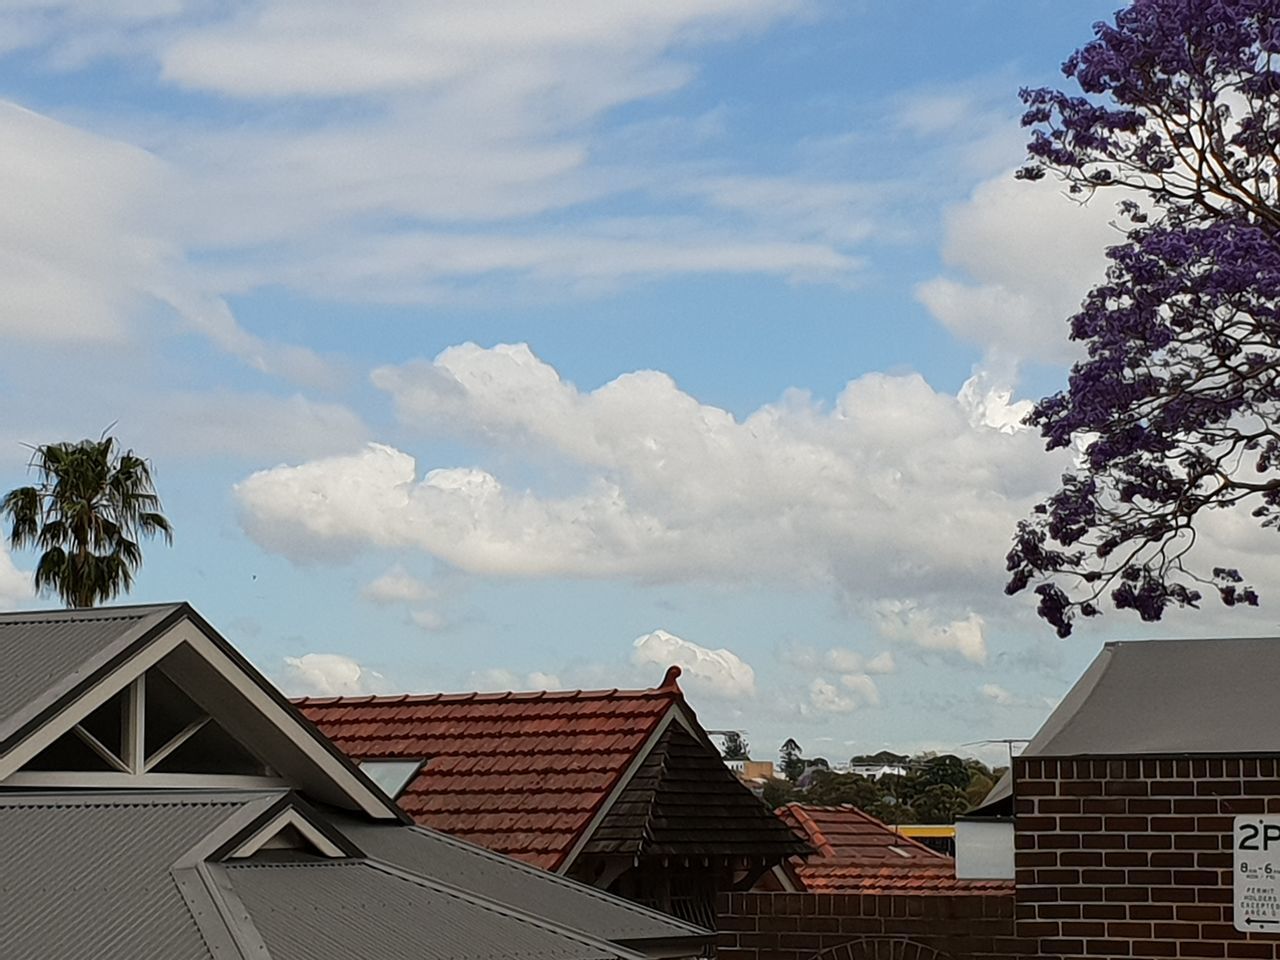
46	653
351	910
86	879
508	881
1167	697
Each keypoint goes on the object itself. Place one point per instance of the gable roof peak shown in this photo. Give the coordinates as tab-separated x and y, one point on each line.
670	680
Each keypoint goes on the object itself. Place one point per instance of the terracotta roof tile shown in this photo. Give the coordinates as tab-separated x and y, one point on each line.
856	853
519	773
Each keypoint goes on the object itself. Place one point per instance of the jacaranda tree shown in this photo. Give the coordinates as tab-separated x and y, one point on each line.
86	515
1176	409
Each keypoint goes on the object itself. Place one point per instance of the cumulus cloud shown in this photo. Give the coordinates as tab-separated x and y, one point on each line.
1022	256
906	492
329	675
852	692
882	663
396	585
718	673
905	621
15	585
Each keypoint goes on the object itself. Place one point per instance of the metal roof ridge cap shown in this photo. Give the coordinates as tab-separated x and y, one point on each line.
583	889
141	634
505	909
177	796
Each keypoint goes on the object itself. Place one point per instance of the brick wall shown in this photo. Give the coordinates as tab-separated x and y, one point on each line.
1132	858
804	926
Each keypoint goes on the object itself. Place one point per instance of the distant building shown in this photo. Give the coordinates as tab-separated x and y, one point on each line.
879	765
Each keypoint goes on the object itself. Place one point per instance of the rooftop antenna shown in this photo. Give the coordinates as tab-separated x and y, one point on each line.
1007	741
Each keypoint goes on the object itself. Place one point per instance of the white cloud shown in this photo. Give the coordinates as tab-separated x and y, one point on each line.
89	240
500	679
862	686
429	620
717	673
399	196
897	491
882	663
396	585
15	585
998	695
329	675
826	697
905	621
1023	255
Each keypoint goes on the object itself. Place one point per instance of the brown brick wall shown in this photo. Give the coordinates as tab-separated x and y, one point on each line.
1115	858
803	926
1132	857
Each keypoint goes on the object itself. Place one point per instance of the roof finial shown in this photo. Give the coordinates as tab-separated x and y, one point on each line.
669	681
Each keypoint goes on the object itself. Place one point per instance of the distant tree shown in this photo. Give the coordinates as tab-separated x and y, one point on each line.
945	769
791	762
1176	409
777	793
735	747
829	789
86	514
939	803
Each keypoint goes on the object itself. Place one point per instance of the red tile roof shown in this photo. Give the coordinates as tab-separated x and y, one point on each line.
858	853
520	773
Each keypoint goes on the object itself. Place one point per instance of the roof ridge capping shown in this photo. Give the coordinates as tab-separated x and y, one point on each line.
132	611
1143	641
669	686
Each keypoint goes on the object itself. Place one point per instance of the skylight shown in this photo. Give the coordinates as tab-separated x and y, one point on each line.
391	776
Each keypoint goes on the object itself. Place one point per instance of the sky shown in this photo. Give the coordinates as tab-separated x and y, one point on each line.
548	343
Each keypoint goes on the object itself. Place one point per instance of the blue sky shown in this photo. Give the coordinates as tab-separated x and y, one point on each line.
681	332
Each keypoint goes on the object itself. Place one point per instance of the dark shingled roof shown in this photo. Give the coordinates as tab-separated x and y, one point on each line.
683	801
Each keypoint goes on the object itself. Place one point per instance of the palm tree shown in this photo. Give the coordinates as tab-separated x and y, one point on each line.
86	515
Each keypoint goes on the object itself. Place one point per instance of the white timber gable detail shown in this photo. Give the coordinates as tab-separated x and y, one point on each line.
184	711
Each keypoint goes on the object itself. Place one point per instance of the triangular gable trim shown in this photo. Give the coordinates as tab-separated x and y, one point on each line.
675	714
184	628
322	842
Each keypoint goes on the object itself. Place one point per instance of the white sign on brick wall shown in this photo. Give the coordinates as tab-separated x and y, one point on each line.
1257	873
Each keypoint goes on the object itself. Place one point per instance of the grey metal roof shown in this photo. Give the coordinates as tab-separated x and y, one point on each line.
1162	697
47	654
89	877
508	881
135	873
351	910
